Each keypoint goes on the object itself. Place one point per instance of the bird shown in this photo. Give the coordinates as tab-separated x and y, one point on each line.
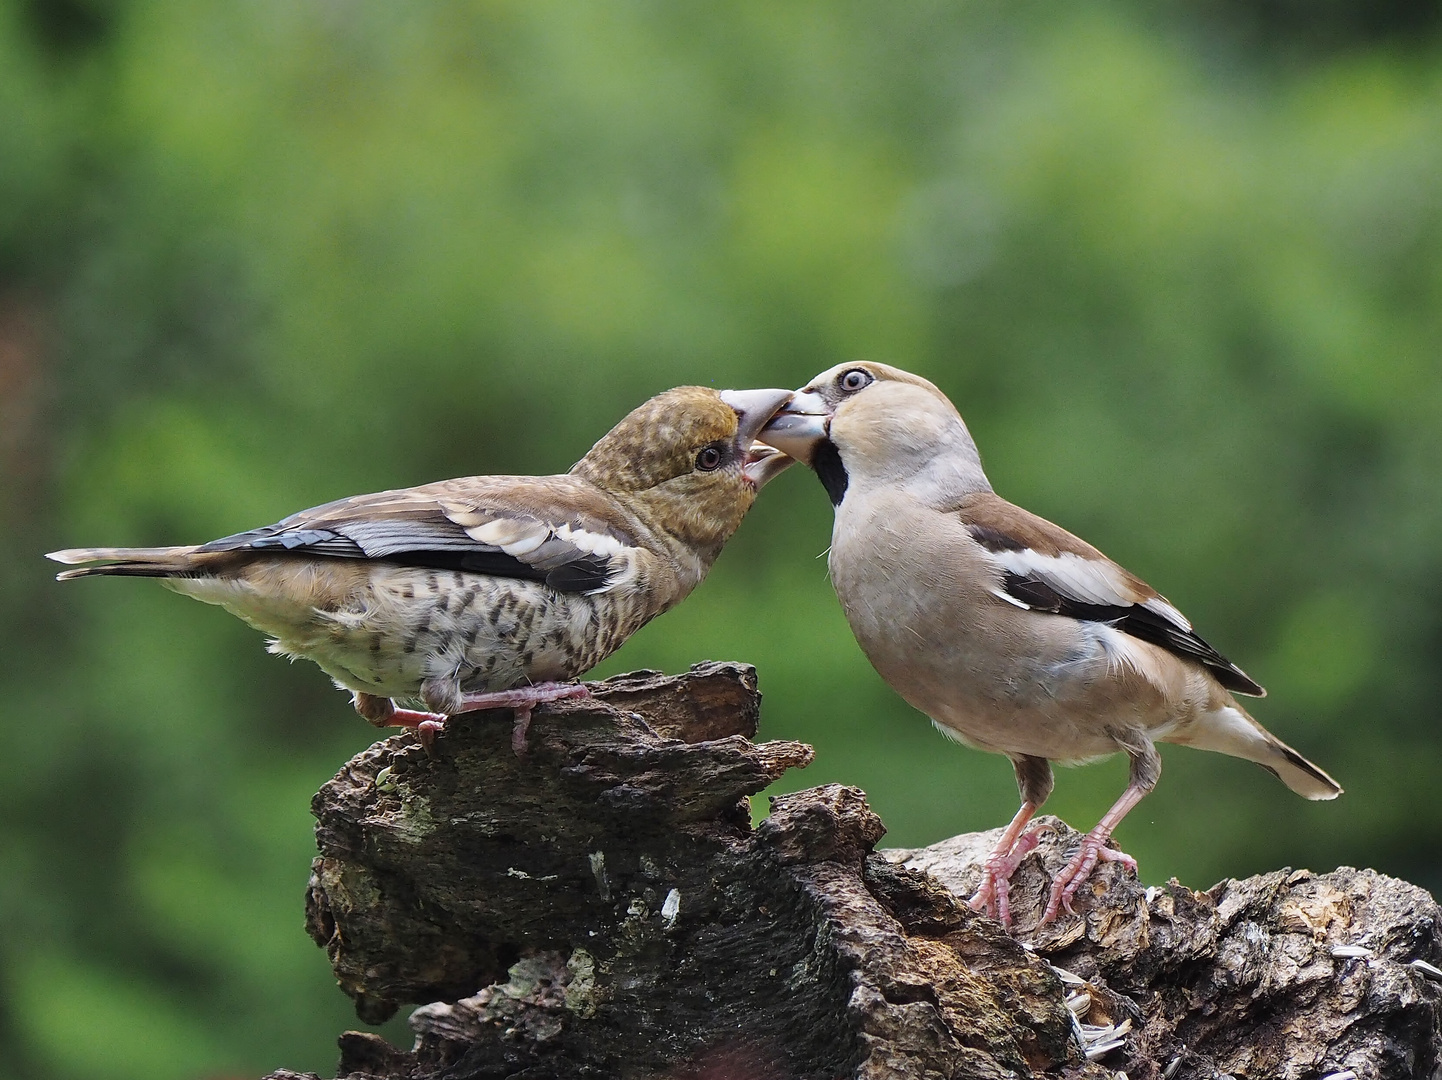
1010	633
487	592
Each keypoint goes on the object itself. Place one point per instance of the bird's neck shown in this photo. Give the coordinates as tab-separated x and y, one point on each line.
945	480
941	481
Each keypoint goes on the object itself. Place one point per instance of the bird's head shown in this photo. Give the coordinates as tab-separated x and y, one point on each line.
871	424
687	461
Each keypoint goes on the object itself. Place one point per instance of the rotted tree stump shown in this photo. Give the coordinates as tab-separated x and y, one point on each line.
602	907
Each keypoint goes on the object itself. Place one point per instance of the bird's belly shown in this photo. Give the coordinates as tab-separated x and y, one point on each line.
1060	716
387	630
1041	685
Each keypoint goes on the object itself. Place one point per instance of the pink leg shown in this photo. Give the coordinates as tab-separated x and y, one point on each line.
1034	780
1093	850
523	699
994	896
383	713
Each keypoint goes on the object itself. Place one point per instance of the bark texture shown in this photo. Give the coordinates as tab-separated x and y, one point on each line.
602	907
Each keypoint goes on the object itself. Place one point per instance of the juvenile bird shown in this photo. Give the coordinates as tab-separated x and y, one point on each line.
1009	632
488	592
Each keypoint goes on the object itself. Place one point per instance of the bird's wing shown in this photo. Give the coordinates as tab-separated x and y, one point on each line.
1046	568
556	530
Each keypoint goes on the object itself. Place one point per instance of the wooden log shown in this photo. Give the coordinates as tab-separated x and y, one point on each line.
603	907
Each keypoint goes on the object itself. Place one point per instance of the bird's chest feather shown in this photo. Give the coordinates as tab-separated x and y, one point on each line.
903	596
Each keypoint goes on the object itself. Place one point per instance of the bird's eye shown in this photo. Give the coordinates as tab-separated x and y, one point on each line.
709	459
855	379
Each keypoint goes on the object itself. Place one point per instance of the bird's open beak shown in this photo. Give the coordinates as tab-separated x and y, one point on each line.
754	408
765	463
799	425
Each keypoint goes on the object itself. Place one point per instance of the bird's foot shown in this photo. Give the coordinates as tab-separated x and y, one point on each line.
523	699
382	712
519	730
427	725
428	729
994	895
1093	850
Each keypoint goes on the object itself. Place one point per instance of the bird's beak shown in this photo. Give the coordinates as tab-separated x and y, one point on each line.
797	427
765	463
753	409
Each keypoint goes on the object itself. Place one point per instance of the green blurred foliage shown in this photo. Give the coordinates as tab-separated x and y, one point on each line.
1180	265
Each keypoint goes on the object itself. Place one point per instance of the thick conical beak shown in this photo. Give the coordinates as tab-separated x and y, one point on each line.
753	409
796	428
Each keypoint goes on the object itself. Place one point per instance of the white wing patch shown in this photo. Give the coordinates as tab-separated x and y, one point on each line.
514	536
593	543
1089	581
1002	594
521	536
1166	611
1086	580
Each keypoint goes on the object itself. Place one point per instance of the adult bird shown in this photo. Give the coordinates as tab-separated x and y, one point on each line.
487	591
1009	632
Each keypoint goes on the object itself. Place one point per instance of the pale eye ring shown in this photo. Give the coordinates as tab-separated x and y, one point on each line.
855	379
709	459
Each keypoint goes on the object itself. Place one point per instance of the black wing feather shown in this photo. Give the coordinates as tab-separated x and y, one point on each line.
1138	621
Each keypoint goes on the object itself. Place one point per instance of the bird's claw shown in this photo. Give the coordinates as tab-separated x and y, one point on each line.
1092	851
523	699
382	712
426	732
518	733
994	895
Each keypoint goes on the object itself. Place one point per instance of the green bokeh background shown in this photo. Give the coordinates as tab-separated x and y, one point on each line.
1179	265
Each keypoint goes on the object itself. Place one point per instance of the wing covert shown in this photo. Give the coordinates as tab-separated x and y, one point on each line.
1045	568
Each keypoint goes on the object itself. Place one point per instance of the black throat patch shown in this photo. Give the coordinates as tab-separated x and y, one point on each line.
826	460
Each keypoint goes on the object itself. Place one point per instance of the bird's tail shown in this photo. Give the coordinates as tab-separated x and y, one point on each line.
1231	730
1299	774
126	562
